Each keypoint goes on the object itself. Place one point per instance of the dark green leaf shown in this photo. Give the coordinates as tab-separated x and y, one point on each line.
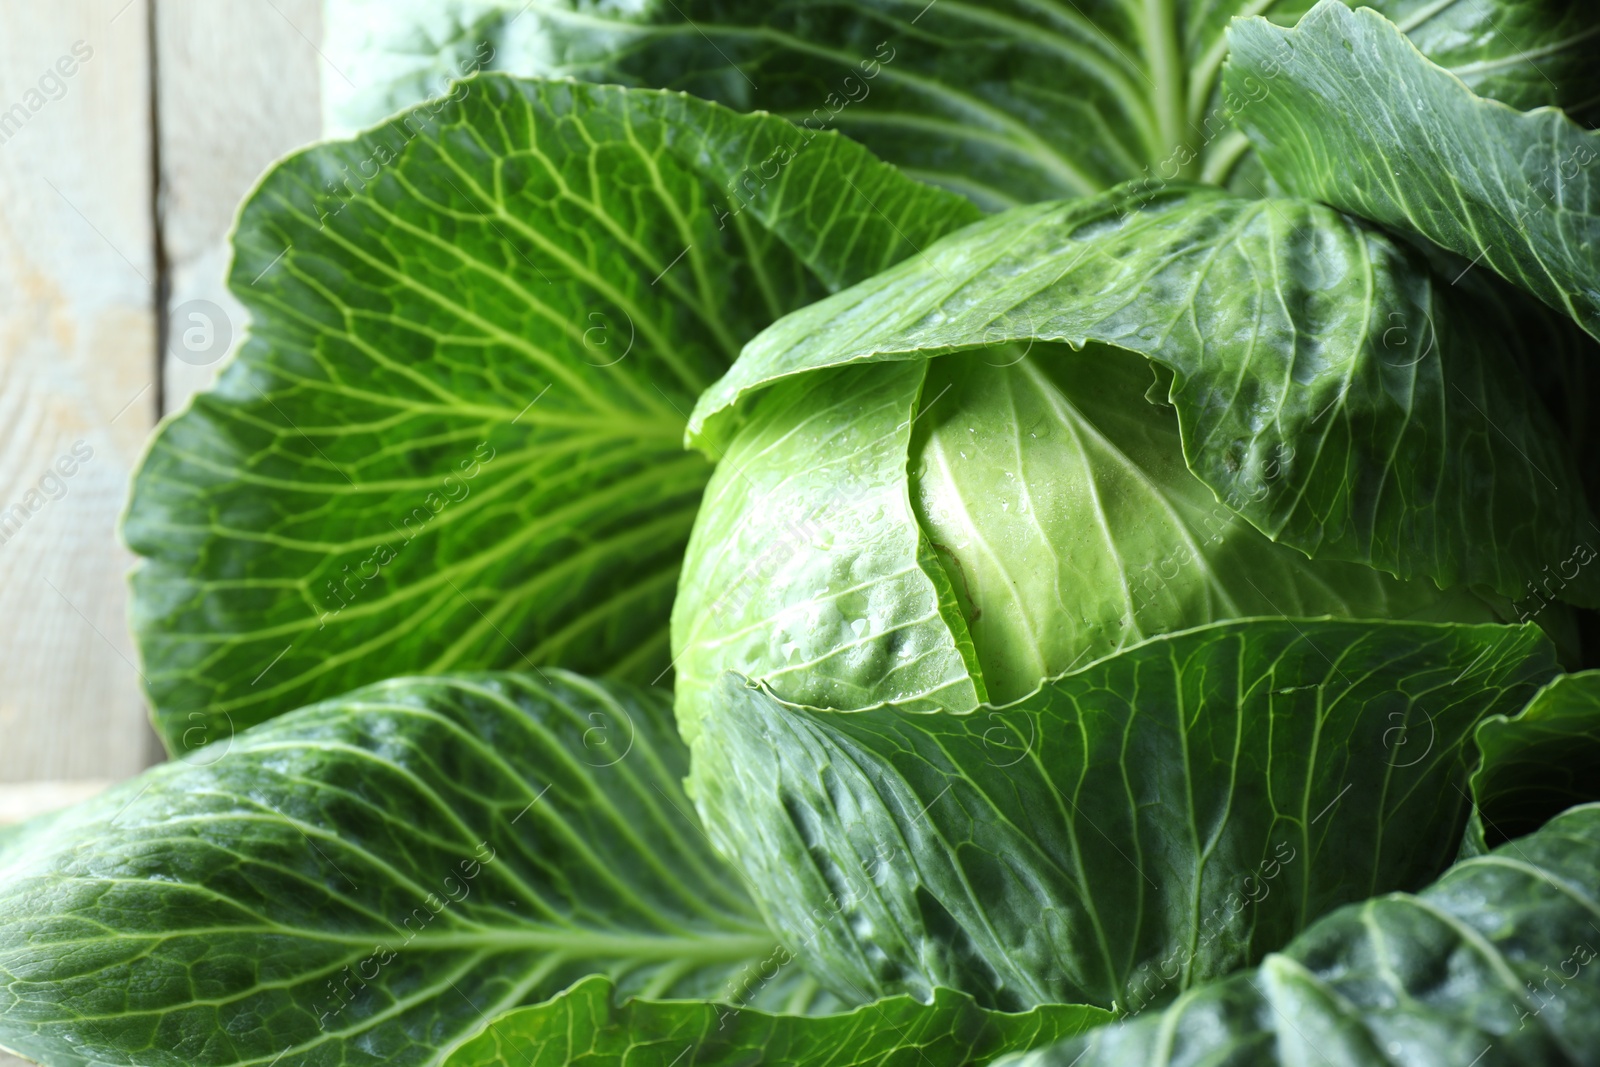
1153	820
1329	388
1358	118
453	439
1008	101
1538	762
1524	53
366	880
1494	965
584	1027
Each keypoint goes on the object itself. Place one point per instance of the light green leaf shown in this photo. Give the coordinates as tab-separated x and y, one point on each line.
1538	762
366	880
454	437
584	1027
1153	820
1059	501
806	567
1329	388
1007	102
1358	118
1493	964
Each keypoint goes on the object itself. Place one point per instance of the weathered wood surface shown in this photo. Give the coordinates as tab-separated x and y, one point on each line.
238	87
205	93
77	380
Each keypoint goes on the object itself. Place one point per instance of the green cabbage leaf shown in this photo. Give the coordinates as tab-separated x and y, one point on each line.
1495	963
367	880
453	438
1148	822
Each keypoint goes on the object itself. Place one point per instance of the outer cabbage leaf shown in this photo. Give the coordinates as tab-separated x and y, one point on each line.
1329	387
453	439
585	1028
1538	762
1524	53
1493	964
1360	119
1007	102
1153	820
366	880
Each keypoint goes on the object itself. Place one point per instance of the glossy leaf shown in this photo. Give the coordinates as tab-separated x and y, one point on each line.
1146	823
1538	762
1007	102
1329	387
1358	118
454	437
366	880
1493	964
584	1027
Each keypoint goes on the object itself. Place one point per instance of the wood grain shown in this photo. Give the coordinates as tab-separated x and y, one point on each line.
228	88
239	85
77	371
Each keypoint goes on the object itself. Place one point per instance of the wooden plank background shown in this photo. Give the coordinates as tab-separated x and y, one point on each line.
118	184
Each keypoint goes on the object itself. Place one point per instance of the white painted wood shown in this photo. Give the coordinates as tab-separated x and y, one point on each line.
239	85
21	801
77	376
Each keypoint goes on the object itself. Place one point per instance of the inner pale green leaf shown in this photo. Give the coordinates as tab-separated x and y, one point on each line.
1058	497
807	567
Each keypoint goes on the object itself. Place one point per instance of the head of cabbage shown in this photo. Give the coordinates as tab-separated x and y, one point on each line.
1074	426
950	531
